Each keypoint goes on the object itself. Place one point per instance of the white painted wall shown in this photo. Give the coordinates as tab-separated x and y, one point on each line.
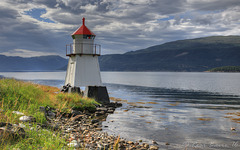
88	71
83	71
70	74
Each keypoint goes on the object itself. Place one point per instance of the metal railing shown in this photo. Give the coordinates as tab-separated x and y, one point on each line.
96	49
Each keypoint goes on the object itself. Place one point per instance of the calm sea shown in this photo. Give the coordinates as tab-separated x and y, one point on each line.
186	110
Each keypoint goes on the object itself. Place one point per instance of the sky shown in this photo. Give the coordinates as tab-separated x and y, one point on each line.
30	28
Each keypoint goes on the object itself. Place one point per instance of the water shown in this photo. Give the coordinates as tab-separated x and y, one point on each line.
186	110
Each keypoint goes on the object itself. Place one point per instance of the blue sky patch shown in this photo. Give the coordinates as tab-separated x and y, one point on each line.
168	18
36	13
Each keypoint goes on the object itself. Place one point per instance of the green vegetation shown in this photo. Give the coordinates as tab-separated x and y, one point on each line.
226	69
76	101
198	54
27	97
36	139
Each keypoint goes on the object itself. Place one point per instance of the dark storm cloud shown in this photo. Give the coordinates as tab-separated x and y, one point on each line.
212	5
205	20
21	34
168	7
6	13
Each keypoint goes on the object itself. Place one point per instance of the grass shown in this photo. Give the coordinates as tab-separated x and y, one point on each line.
27	97
41	139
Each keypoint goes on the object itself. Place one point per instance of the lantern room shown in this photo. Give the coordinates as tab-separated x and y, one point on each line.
83	42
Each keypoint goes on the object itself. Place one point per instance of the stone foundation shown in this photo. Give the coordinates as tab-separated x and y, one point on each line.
99	93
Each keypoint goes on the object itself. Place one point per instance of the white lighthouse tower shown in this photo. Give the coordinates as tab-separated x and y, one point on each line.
83	67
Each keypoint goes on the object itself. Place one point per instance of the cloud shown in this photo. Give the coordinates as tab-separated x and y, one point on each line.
212	5
120	26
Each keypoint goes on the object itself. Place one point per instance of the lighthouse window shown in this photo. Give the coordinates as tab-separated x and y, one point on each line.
88	36
85	36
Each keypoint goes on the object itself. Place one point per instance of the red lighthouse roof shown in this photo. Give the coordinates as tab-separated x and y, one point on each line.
83	30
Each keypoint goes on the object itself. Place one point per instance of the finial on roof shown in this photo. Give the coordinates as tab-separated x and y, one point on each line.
83	21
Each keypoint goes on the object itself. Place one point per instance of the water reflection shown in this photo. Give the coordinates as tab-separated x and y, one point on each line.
177	116
178	95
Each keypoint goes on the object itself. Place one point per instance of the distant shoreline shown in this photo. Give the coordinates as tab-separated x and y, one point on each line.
230	69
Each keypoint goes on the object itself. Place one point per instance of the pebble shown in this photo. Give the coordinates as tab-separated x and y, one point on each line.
101	109
94	121
130	142
76	112
27	119
51	114
74	144
42	108
154	142
233	129
17	112
153	147
21	125
69	130
145	145
87	131
98	129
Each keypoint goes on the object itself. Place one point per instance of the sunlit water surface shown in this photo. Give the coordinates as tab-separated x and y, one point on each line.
186	110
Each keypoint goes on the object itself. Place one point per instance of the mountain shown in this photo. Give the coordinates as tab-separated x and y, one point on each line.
199	54
41	63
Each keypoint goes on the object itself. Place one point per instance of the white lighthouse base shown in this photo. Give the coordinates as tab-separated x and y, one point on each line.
99	93
83	70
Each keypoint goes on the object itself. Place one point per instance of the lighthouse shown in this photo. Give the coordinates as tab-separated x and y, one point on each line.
83	72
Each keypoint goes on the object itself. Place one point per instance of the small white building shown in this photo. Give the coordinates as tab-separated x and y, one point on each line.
83	67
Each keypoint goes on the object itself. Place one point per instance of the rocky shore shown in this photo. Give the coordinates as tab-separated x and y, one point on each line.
81	129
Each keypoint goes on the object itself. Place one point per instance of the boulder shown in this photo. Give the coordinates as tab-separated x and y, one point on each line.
10	132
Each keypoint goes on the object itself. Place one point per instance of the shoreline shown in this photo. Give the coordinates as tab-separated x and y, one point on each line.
84	130
80	128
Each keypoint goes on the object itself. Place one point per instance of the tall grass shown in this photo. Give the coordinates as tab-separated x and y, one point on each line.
76	101
21	96
27	97
41	139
